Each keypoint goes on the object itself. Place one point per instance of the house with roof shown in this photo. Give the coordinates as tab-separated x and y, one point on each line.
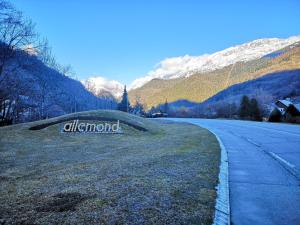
285	111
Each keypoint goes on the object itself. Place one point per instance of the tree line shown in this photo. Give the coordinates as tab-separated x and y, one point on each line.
248	109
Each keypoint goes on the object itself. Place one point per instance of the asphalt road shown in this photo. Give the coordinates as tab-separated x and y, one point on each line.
264	163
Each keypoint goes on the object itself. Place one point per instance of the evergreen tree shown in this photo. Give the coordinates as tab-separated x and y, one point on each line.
124	105
138	109
275	115
166	107
245	107
255	113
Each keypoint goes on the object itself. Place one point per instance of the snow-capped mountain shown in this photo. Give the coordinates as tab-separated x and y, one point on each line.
101	86
185	66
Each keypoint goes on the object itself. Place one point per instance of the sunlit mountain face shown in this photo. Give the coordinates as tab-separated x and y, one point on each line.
185	66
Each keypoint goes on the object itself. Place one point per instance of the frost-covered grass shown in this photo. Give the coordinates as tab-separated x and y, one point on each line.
166	175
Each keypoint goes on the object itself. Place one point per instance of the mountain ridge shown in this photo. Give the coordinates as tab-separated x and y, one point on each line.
158	85
185	66
200	86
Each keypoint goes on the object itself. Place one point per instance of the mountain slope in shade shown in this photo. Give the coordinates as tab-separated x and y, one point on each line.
41	92
266	89
185	66
274	86
101	86
202	85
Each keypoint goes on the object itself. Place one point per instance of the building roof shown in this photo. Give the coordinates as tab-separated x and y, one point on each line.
285	102
297	106
288	105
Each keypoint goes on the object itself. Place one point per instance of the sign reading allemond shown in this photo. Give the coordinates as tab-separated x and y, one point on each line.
85	127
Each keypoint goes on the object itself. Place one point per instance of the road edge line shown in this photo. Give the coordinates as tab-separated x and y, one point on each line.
288	166
222	206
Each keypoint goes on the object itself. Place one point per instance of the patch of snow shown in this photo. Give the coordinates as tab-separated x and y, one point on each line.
30	49
98	85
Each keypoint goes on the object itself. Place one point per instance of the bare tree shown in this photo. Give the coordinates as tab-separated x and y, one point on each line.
66	70
265	101
14	103
16	36
47	57
45	54
16	33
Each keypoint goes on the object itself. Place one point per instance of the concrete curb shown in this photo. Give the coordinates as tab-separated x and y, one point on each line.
222	207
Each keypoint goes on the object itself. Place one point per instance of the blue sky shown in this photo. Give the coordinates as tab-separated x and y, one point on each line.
123	40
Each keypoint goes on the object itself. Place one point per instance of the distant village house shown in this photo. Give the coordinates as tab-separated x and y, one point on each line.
285	111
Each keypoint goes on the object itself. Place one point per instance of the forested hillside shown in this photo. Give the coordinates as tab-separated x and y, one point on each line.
35	91
32	84
266	90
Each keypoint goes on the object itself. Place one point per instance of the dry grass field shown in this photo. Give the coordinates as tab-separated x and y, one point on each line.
166	174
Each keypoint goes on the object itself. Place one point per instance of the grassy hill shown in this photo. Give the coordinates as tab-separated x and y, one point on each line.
162	174
200	87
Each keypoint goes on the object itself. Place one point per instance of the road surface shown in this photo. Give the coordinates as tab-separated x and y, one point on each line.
264	161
